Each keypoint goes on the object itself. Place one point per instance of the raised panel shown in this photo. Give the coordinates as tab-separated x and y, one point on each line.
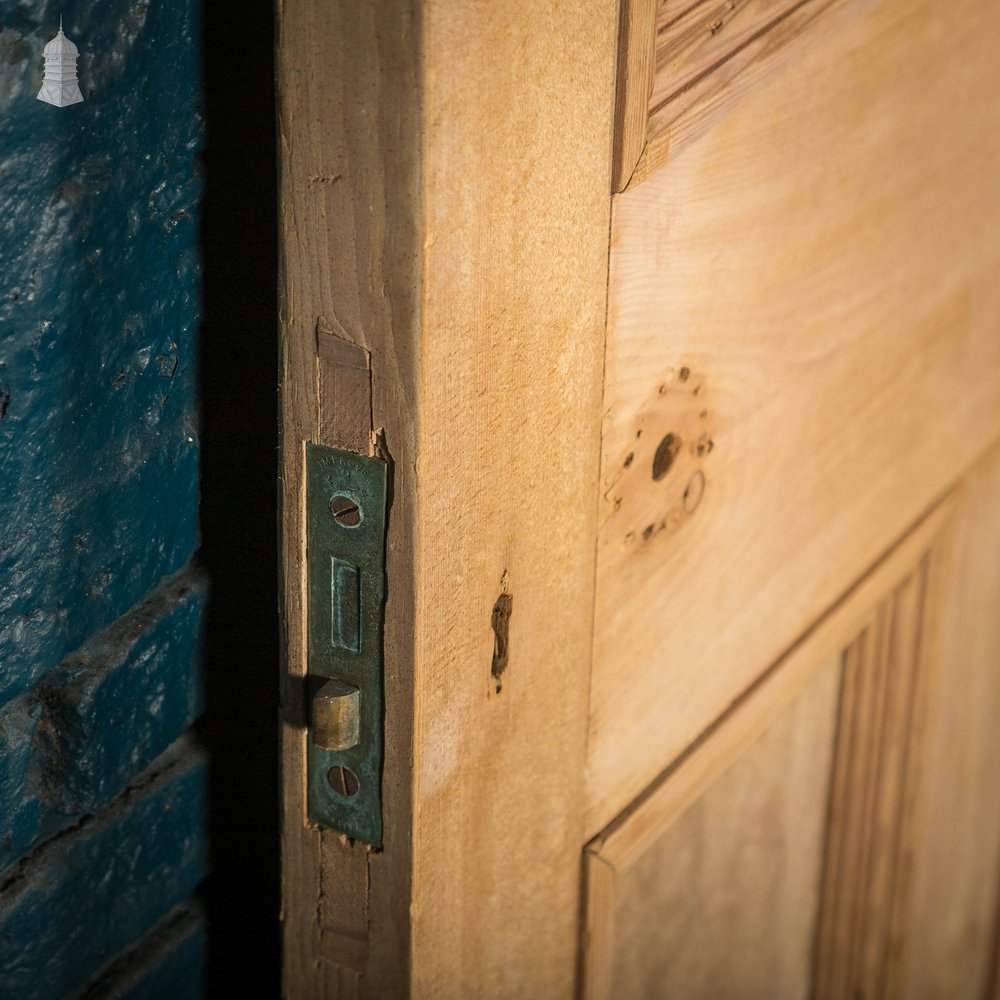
864	890
836	833
725	871
769	861
683	59
806	298
723	904
952	846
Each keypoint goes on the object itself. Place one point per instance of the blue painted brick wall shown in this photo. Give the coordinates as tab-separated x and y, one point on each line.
86	896
78	739
167	965
102	796
98	316
20	778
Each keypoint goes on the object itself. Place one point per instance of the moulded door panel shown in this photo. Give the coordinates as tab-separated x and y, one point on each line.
803	354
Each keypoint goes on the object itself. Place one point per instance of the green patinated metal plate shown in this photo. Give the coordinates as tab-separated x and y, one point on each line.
345	538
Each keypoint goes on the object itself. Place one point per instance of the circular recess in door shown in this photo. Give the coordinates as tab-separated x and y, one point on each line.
343	781
345	511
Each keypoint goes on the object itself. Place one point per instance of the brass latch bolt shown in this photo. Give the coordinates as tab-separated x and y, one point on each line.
336	716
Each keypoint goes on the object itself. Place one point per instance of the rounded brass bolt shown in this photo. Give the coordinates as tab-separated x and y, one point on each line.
336	716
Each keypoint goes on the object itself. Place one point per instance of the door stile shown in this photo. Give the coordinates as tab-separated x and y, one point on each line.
348	114
445	192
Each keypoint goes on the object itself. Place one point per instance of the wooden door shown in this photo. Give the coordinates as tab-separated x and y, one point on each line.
677	326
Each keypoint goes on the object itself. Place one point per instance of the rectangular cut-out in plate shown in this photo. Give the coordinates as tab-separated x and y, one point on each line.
345	605
345	537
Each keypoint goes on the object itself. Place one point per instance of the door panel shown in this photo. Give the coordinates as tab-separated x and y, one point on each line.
840	825
687	915
952	914
686	62
872	786
802	355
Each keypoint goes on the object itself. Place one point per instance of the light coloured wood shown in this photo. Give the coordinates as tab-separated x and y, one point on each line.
953	858
350	206
636	52
445	199
722	902
911	862
693	40
860	934
756	43
598	948
517	115
630	835
693	61
826	275
804	297
725	904
638	831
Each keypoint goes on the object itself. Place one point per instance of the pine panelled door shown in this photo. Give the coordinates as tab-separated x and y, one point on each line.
672	328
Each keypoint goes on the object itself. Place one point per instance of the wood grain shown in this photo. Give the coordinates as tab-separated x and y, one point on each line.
517	136
350	210
952	864
636	54
445	199
692	42
681	897
723	901
639	831
859	933
693	61
827	274
724	905
912	869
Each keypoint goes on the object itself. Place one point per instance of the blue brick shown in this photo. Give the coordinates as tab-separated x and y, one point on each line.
20	778
89	894
102	716
119	701
98	318
168	964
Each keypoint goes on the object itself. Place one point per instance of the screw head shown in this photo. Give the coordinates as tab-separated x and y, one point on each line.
343	781
345	511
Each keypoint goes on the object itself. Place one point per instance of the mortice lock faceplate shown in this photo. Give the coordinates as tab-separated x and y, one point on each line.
345	539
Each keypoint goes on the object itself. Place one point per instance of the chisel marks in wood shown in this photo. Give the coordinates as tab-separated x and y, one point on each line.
345	388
